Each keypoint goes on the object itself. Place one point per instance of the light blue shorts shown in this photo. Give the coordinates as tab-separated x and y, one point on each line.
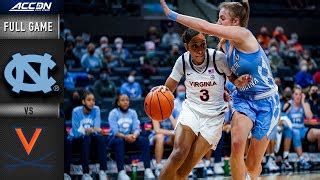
296	134
264	113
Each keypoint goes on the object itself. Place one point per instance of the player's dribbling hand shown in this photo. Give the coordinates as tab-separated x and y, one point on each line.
161	88
242	81
165	7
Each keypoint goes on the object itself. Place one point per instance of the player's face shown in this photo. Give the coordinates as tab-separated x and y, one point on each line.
197	47
89	102
123	102
297	96
224	18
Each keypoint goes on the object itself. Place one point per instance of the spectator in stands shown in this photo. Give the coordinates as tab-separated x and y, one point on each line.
89	61
121	54
104	87
108	59
71	60
316	77
99	51
291	56
311	64
281	38
86	128
67	35
314	101
303	78
171	38
131	88
70	78
150	60
264	37
286	96
125	127
297	110
153	35
276	60
79	50
173	56
86	37
279	34
294	40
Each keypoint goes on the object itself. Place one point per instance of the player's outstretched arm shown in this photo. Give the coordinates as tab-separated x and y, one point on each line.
235	33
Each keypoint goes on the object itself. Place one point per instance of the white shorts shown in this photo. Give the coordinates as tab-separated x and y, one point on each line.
210	127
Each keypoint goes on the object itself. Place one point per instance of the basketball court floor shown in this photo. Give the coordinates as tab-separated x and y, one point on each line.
307	175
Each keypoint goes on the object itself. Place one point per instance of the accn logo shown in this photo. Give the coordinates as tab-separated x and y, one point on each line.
31	6
21	65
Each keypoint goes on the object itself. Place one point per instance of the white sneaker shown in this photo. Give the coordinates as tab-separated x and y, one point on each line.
278	138
102	175
247	177
148	174
86	177
274	166
209	172
123	175
271	165
207	163
66	176
158	169
218	169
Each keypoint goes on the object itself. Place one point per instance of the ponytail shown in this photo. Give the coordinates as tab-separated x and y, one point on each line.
239	10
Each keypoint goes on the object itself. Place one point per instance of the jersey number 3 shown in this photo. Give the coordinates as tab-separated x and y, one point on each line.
205	95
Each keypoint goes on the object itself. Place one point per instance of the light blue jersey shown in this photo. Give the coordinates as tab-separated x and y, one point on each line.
257	65
123	122
81	121
296	115
259	100
298	131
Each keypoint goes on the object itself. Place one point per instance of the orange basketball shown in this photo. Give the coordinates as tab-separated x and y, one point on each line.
159	105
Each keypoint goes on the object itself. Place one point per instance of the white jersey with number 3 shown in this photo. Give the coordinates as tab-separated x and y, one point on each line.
204	83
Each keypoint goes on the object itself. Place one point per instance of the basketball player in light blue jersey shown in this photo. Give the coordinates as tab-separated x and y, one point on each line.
297	110
256	105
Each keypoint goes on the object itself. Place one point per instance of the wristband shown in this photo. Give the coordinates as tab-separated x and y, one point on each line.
172	15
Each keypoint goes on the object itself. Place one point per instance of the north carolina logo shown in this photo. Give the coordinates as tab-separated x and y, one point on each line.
21	65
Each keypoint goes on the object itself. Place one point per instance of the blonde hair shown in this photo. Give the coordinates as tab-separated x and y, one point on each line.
239	10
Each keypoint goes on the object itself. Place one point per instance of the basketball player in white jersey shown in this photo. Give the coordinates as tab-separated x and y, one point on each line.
201	119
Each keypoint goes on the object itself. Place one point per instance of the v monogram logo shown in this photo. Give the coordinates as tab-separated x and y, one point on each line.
28	146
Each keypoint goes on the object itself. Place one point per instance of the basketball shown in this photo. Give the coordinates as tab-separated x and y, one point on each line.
158	105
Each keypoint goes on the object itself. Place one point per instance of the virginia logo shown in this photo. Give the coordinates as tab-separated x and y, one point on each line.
28	146
21	64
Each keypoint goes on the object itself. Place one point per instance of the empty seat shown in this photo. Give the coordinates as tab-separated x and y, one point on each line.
157	80
164	71
121	71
